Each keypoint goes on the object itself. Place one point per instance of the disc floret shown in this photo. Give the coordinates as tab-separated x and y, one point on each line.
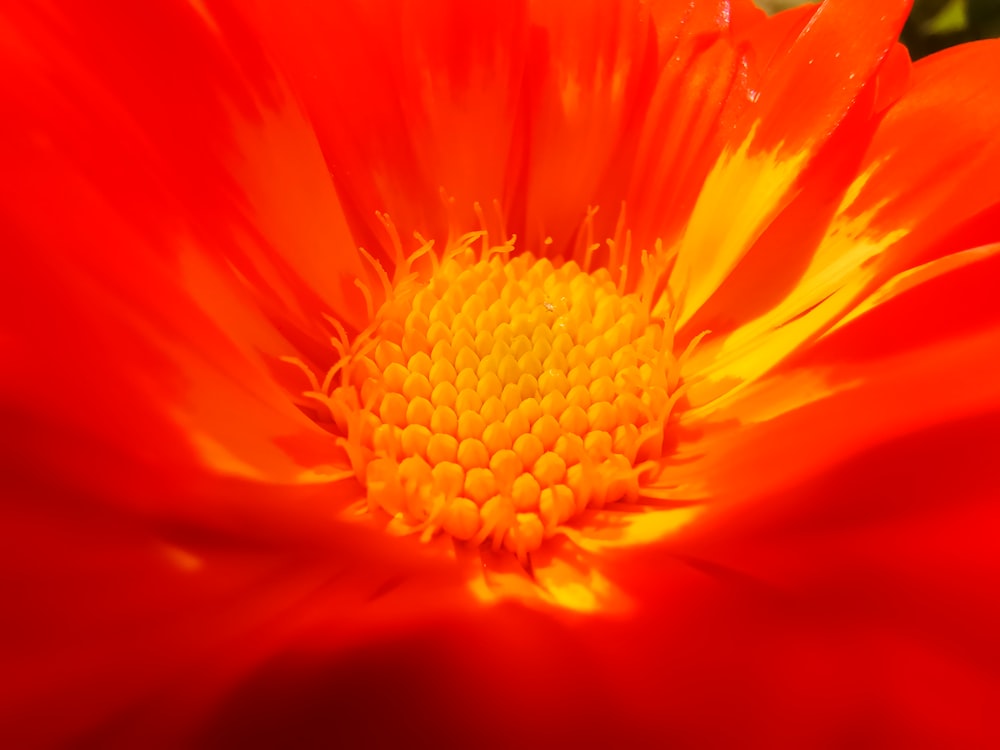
502	397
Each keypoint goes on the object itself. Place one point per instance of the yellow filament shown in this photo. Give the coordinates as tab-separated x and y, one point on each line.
502	397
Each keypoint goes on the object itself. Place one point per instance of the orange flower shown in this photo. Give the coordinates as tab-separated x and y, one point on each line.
713	465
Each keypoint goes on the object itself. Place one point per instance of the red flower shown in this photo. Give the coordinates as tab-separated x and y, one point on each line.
247	501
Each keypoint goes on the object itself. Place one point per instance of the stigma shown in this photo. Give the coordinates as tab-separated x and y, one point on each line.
501	397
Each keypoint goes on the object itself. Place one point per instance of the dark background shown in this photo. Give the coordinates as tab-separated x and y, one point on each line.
935	24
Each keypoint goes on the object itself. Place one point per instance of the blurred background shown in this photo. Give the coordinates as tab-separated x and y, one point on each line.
934	24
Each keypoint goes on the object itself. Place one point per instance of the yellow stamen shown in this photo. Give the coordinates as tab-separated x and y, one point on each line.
505	396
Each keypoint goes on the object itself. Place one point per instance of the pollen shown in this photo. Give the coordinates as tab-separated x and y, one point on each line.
499	399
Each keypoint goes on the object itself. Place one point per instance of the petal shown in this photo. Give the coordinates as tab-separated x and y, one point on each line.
437	123
800	628
912	177
460	94
125	630
772	268
711	16
408	103
916	197
683	129
210	145
179	267
591	72
875	572
920	358
679	139
777	135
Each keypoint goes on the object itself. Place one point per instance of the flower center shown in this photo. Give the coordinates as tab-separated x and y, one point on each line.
504	398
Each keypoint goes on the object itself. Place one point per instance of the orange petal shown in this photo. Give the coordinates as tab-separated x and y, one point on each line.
875	572
337	60
679	139
676	21
914	178
914	198
775	138
135	626
209	147
592	68
143	220
837	53
408	102
773	267
815	621
460	68
921	357
683	131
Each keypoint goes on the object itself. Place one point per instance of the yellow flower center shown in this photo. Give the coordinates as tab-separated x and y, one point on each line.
503	398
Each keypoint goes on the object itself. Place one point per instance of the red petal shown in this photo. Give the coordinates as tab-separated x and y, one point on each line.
774	266
408	102
915	198
683	132
592	99
589	81
679	140
853	614
460	68
920	358
125	630
868	588
837	53
678	19
775	137
156	254
463	119
932	163
206	147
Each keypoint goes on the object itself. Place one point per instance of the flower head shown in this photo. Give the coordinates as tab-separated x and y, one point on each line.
641	353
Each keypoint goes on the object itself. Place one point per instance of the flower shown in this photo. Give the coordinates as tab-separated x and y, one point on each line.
783	535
